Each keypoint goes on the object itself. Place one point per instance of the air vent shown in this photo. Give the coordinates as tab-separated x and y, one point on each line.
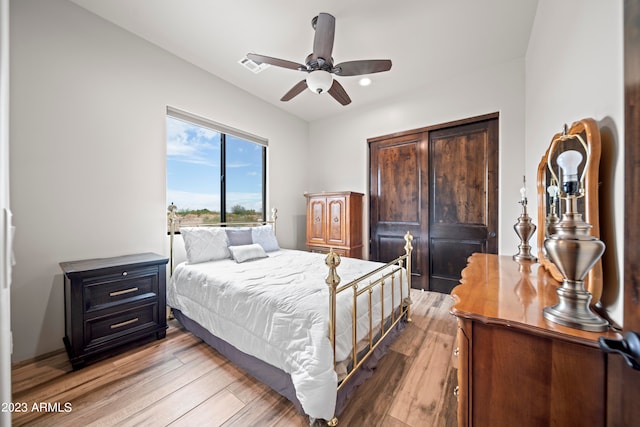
254	67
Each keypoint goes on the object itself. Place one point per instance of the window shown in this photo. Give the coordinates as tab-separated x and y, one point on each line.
214	173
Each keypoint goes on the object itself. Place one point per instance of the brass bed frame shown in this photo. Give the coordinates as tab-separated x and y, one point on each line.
368	283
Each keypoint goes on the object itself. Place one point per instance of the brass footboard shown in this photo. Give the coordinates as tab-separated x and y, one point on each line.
362	285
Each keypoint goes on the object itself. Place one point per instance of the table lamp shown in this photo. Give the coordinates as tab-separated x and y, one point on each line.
573	249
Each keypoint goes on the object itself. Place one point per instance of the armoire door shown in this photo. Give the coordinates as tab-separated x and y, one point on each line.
337	220
440	184
316	223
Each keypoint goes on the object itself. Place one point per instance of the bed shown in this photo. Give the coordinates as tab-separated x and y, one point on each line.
286	316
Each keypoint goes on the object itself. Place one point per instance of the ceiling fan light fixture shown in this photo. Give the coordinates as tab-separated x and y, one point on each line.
365	81
319	81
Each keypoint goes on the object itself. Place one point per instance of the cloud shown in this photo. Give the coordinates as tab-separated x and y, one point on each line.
190	143
239	165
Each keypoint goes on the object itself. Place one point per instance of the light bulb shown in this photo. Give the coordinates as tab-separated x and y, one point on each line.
553	193
319	81
569	162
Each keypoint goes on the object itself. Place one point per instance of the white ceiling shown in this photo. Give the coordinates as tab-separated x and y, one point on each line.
427	40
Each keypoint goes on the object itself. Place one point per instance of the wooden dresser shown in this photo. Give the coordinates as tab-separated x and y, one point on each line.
334	220
109	302
515	368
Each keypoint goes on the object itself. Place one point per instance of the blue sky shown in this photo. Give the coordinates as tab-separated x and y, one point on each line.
193	168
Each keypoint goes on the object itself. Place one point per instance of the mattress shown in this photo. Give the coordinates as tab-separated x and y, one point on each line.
276	309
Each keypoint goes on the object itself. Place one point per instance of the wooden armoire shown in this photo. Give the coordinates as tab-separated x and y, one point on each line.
334	221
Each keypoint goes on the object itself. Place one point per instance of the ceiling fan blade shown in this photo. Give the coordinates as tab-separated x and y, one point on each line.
337	91
299	87
366	66
325	25
276	61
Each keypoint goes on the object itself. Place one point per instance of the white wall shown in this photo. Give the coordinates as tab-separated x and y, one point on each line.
499	88
88	151
574	69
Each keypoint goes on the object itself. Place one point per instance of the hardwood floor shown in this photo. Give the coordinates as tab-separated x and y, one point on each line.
180	381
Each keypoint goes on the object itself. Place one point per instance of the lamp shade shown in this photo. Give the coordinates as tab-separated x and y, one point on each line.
319	81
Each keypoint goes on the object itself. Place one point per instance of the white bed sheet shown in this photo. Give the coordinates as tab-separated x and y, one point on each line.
276	309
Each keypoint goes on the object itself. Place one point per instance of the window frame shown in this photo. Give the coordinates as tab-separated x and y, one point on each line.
224	131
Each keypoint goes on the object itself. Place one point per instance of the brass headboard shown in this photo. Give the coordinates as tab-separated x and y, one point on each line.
173	218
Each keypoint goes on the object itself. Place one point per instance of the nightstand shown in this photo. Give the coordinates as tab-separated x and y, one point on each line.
112	302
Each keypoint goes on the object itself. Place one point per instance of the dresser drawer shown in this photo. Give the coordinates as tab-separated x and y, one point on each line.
120	324
120	287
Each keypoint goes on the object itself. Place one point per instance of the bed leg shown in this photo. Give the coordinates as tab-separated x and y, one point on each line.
332	422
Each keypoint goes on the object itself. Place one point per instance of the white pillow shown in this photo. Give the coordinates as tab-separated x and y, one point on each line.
247	252
265	237
204	243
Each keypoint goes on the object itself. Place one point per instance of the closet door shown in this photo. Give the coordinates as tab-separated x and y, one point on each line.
398	169
439	183
463	184
623	388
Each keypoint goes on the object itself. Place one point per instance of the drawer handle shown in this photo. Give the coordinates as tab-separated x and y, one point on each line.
456	352
456	391
125	323
124	273
122	292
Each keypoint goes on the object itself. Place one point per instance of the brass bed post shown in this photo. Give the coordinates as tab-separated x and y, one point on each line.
274	217
333	280
408	249
172	230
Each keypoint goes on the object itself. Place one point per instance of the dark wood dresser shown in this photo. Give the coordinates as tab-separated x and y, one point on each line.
110	302
334	221
514	367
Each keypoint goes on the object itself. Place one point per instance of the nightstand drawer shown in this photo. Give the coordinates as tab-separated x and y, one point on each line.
120	324
120	288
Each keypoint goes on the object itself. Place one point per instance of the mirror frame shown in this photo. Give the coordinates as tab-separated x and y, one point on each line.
589	131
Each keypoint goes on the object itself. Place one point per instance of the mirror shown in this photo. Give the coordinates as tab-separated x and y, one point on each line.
588	130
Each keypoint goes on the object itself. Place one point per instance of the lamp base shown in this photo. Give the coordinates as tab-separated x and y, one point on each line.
524	228
573	310
524	254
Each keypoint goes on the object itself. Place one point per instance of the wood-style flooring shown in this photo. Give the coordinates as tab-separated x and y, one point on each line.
180	381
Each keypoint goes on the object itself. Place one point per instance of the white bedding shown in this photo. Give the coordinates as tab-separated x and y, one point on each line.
276	309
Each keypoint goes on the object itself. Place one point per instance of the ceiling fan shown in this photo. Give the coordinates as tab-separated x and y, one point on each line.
319	64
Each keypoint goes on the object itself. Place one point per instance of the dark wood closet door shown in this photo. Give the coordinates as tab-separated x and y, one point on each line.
439	183
398	168
623	385
463	203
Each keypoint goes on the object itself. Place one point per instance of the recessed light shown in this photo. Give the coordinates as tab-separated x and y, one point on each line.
365	81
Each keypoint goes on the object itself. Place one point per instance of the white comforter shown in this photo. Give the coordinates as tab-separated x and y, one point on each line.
276	309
